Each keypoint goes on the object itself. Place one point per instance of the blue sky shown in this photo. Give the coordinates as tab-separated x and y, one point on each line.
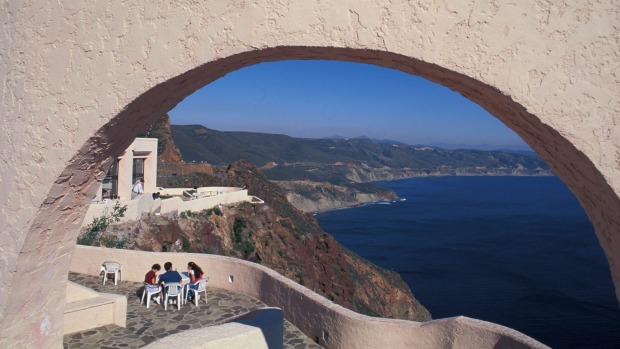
315	99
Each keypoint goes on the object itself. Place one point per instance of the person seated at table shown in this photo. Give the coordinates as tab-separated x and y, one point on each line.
170	275
151	282
195	274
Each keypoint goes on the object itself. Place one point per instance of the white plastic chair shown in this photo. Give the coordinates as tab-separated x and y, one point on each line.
147	293
202	287
173	290
111	268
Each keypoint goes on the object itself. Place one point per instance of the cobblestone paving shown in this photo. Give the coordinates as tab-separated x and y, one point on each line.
147	325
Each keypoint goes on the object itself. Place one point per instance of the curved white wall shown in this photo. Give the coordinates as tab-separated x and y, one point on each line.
146	204
81	79
311	313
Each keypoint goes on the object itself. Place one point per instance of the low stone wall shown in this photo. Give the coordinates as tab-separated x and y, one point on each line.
329	324
86	309
213	196
207	191
135	208
223	198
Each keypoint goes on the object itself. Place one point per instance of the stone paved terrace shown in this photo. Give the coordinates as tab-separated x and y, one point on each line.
147	325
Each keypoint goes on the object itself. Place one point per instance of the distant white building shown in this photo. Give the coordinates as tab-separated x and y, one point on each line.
139	160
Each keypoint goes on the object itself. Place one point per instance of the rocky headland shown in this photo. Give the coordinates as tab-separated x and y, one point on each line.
311	196
323	174
296	177
278	236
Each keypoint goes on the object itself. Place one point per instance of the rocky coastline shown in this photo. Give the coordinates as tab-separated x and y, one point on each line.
277	235
281	234
311	197
314	197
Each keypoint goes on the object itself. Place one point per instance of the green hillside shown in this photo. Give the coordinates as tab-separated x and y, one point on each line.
297	156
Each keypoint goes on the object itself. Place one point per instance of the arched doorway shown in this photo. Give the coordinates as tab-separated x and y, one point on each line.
117	98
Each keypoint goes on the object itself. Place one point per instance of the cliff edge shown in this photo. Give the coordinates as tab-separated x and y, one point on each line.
279	236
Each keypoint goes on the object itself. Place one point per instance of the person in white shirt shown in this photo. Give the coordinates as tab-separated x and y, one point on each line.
138	188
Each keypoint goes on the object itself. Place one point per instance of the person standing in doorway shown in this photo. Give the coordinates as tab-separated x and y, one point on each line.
138	188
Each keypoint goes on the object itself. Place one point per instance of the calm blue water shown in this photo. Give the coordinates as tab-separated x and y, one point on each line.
517	251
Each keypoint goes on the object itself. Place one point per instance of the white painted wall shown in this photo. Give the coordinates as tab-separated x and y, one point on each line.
146	204
310	312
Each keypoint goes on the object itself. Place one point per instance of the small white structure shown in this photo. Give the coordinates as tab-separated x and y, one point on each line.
173	205
139	160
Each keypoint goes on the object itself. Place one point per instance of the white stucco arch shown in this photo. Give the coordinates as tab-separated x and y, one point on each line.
80	80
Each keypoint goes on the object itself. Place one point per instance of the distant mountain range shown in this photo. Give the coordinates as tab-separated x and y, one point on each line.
520	149
322	174
200	144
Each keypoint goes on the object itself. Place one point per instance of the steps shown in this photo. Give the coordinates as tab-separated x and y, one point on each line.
86	309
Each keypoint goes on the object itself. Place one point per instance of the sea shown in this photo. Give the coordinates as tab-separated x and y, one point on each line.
516	251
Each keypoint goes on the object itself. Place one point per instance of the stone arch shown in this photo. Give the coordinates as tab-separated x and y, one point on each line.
567	112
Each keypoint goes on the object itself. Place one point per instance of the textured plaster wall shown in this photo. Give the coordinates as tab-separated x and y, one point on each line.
80	79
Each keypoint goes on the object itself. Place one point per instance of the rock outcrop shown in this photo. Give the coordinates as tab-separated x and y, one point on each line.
169	158
311	196
278	236
167	151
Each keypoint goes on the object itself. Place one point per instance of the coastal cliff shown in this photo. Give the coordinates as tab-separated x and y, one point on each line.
278	236
311	175
311	196
323	174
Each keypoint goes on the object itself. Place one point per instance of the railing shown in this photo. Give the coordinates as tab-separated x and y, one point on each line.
329	324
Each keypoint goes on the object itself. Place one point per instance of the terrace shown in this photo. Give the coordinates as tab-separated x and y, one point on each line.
231	279
148	325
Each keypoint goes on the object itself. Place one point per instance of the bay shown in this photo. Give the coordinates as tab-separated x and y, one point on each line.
516	251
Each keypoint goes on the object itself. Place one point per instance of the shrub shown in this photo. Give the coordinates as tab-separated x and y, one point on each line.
114	243
238	227
217	211
100	224
246	247
186	244
300	276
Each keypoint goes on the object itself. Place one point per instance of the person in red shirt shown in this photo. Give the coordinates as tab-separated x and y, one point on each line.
151	281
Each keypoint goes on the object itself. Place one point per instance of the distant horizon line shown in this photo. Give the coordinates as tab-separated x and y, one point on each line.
436	144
